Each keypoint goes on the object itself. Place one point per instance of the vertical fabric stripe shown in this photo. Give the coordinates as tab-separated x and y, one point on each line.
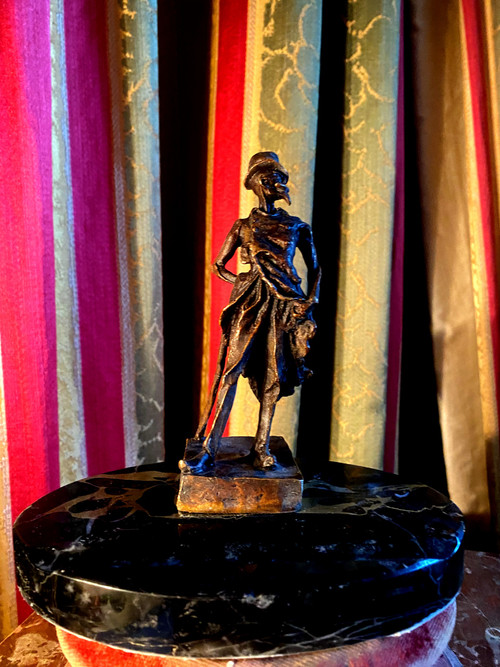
492	32
476	61
245	412
396	303
207	296
95	232
360	373
24	331
33	34
227	130
117	57
60	329
72	452
27	323
481	146
253	86
227	144
8	609
141	196
463	348
451	218
281	83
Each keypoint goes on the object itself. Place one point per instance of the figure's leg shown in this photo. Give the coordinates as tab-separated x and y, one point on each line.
206	457
202	425
235	357
270	394
225	401
263	458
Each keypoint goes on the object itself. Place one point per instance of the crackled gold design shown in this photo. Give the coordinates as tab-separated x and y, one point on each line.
281	104
370	112
132	29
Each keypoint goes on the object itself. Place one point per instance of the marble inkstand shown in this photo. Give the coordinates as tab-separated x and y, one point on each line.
247	555
111	559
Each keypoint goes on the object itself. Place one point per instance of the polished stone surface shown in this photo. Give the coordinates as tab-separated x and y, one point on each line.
38	643
423	645
109	558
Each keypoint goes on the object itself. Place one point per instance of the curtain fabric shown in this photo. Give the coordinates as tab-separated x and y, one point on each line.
367	234
456	51
80	284
82	274
264	96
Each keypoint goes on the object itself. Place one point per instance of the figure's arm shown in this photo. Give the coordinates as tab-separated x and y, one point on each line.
306	247
229	247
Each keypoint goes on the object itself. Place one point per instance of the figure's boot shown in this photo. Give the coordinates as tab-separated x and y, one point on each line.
263	458
206	457
198	464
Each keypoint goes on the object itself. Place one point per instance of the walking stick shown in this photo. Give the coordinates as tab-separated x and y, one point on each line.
200	432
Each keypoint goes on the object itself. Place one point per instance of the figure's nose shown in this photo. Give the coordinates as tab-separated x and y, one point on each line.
283	191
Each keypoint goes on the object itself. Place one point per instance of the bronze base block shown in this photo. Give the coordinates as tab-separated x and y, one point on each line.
233	486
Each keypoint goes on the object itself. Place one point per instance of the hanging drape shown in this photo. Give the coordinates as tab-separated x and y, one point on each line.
364	405
457	58
385	359
385	113
80	251
264	96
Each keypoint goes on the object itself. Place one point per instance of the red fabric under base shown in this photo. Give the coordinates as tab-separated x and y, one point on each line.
421	646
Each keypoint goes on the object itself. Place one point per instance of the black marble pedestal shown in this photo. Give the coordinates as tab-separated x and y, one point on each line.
109	558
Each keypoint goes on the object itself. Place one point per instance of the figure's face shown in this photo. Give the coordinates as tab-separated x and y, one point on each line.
274	187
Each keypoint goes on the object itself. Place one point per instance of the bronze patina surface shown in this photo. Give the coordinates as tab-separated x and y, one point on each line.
268	323
234	486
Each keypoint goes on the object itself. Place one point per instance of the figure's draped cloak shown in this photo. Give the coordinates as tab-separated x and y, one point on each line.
267	340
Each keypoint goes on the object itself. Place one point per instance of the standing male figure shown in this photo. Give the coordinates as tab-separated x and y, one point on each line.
267	325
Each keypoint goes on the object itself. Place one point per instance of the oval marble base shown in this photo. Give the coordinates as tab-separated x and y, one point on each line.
422	645
109	558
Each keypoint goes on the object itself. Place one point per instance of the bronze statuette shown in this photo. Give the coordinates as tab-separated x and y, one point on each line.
268	323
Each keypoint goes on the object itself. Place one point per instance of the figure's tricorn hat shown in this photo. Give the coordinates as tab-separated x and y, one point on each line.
265	160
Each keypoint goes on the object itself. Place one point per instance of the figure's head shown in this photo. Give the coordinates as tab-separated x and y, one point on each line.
267	178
